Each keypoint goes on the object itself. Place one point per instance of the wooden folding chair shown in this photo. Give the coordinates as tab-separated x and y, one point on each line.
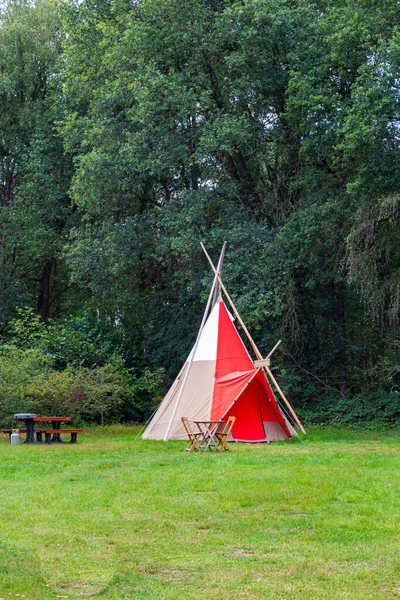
223	435
193	437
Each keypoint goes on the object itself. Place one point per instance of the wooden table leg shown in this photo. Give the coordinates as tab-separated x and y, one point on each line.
210	441
56	439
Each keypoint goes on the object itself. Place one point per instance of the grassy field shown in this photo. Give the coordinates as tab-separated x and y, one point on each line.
115	518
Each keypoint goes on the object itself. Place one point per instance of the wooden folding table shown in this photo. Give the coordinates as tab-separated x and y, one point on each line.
208	429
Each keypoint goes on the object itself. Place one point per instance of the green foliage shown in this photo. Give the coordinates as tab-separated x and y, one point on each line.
26	330
147	390
33	172
374	258
56	393
83	340
375	411
131	131
91	382
100	394
85	394
18	368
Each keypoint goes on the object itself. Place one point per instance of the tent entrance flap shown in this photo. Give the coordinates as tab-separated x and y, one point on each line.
228	389
257	415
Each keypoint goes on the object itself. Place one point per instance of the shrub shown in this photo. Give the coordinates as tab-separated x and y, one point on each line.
371	411
102	394
81	340
17	369
71	368
27	329
55	393
148	393
106	389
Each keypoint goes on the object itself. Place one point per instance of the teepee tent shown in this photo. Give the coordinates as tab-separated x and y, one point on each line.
218	380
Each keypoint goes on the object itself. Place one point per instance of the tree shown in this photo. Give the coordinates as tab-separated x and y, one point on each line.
154	125
34	175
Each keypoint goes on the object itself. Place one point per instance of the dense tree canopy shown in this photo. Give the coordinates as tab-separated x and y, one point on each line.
131	131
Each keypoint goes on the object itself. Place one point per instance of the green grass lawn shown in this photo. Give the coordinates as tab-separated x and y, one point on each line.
115	518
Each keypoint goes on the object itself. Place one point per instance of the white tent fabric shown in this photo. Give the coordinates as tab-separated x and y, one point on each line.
196	398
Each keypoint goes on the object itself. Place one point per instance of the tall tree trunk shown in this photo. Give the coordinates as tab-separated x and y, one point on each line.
339	300
6	198
43	303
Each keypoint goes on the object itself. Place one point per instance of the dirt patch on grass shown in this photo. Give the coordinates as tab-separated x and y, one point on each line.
83	589
242	552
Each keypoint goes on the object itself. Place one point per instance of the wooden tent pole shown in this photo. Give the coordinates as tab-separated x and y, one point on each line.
286	401
194	350
282	395
219	269
253	345
273	349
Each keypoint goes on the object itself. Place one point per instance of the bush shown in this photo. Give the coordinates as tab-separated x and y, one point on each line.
80	340
17	369
27	329
99	395
105	389
148	393
71	368
55	393
378	410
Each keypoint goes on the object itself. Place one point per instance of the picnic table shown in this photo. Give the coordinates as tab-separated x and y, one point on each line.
209	435
208	429
52	434
55	430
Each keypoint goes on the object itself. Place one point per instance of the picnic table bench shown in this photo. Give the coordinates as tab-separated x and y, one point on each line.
48	433
56	432
52	434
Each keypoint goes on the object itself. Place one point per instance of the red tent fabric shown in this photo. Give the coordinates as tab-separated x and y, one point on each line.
258	418
240	389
